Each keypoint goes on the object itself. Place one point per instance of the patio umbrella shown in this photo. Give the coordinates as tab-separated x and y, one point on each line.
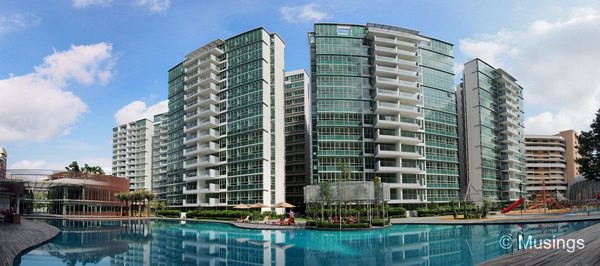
258	205
241	206
284	205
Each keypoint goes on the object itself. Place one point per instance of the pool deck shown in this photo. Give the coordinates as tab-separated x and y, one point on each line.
16	238
497	219
589	255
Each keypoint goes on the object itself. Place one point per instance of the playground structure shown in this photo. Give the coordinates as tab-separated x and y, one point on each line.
520	201
543	200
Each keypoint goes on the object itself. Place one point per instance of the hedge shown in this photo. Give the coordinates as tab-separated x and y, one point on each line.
379	222
444	210
168	213
344	226
217	214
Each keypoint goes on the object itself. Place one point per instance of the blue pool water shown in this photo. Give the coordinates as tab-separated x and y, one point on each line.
171	243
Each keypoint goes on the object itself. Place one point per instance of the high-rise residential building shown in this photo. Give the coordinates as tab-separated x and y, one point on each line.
490	106
132	153
3	159
297	137
383	104
571	154
545	157
175	136
226	139
159	156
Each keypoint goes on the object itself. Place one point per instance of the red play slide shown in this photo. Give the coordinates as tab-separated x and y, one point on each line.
514	205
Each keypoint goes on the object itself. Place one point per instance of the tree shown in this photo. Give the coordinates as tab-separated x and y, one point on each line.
149	196
589	150
73	167
138	197
326	195
121	197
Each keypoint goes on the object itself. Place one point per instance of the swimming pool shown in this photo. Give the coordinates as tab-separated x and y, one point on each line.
171	243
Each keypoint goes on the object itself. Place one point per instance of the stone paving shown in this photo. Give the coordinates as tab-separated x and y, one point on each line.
16	238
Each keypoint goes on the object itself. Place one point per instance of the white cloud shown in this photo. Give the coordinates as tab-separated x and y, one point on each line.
37	106
105	163
16	22
89	3
556	63
137	110
154	6
32	164
305	13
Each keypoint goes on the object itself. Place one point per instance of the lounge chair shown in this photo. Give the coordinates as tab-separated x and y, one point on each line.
284	222
266	219
245	220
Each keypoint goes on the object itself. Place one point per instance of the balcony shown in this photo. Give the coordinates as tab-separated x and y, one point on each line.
386	108
508	130
509	140
509	149
191	176
506	120
410	110
210	122
382	121
208	148
190	151
394	41
386	151
190	127
208	135
390	83
395	71
393	51
396	62
207	161
507	112
386	136
189	139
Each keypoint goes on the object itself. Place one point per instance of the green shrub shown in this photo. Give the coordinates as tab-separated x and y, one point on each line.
397	212
379	222
168	213
311	223
344	226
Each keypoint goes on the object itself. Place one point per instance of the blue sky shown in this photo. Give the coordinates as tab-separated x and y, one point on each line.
71	69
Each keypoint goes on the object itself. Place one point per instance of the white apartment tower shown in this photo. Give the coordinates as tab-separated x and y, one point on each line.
490	108
546	164
233	110
132	153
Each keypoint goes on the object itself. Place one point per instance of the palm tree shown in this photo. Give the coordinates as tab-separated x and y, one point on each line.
121	197
128	198
138	196
149	197
73	169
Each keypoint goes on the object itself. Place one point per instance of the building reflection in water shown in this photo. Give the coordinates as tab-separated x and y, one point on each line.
172	243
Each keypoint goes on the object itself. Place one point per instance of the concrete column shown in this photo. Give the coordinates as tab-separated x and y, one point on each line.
18	203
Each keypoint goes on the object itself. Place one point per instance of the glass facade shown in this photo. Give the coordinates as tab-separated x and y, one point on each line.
175	137
383	104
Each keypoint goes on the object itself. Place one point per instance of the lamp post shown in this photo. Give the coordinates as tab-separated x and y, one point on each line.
521	193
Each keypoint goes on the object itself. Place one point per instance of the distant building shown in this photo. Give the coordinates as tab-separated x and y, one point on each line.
490	107
546	163
571	154
132	153
297	137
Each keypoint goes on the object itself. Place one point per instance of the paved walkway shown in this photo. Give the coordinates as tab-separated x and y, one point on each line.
559	253
16	238
497	219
